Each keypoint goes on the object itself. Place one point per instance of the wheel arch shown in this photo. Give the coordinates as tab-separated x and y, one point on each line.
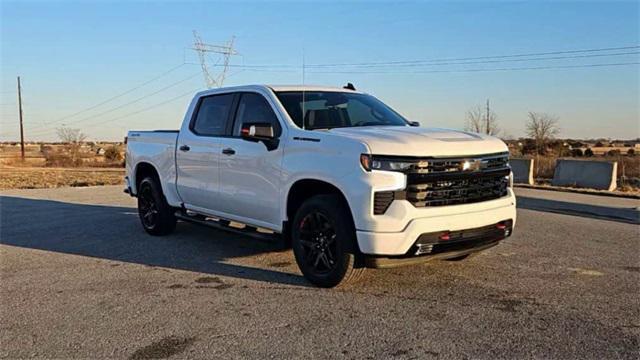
142	170
304	189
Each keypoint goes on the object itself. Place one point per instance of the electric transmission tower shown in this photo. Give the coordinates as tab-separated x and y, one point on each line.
203	50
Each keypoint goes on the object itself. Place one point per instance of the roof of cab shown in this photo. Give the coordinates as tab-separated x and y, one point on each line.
276	88
308	88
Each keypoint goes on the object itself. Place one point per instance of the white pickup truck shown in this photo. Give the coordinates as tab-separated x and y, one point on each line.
340	176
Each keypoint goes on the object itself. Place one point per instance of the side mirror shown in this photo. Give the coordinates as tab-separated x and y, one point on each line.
257	131
414	123
260	132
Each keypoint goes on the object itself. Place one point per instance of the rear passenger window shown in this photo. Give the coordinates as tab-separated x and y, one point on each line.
254	108
212	115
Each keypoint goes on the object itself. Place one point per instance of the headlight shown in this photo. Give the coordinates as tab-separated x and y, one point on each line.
370	163
510	179
390	165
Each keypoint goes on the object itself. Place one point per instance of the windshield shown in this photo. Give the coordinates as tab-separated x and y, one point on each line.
327	110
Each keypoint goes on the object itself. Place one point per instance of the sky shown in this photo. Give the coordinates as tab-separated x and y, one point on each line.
109	66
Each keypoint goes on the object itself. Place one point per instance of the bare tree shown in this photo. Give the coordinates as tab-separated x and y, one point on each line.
72	139
482	120
542	127
70	136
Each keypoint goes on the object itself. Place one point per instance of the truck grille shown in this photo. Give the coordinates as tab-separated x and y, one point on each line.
439	166
441	182
451	181
453	191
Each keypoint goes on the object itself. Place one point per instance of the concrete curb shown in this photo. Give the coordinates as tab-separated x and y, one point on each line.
580	191
626	215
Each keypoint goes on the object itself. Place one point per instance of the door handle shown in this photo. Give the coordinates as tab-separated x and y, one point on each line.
184	148
228	151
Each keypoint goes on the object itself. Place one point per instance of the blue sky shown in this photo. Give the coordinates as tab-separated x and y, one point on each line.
74	55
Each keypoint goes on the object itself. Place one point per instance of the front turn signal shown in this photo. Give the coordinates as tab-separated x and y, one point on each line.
365	161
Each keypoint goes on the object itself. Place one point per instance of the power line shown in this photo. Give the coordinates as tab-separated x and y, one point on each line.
506	60
478	58
266	68
190	92
259	68
119	95
477	70
451	61
40	131
132	101
540	56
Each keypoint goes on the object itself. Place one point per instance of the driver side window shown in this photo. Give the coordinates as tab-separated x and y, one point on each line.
254	108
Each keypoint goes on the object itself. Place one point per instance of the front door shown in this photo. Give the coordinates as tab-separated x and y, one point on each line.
198	152
250	173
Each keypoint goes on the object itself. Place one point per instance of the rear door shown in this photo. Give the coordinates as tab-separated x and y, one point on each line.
198	152
250	174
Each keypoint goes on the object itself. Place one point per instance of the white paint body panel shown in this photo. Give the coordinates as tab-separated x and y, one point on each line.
157	149
419	141
252	185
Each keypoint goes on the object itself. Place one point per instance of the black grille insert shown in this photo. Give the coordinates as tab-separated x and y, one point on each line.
448	181
456	190
441	182
381	201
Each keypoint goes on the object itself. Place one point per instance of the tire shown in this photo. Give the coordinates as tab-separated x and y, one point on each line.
156	216
324	242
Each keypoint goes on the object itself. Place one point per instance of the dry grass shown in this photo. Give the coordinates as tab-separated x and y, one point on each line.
52	165
36	178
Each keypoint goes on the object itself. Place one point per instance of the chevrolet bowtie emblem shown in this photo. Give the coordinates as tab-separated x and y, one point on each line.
472	165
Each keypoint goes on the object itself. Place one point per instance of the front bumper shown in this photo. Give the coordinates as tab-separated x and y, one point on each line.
474	216
127	186
446	245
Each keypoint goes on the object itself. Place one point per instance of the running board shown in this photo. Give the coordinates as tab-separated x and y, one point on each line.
225	225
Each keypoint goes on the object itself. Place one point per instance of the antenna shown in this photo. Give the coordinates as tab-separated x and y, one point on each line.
304	114
226	51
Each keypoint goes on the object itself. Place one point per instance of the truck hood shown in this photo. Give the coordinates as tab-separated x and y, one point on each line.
419	141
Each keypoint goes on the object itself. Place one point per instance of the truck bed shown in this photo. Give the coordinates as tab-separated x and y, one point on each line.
157	147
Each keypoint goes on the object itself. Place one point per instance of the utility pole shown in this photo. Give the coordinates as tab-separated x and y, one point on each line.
487	128
20	114
226	51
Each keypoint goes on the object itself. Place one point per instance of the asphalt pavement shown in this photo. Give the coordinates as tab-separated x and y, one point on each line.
81	279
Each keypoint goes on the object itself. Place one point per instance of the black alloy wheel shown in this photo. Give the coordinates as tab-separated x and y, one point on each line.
318	240
156	215
324	242
147	207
